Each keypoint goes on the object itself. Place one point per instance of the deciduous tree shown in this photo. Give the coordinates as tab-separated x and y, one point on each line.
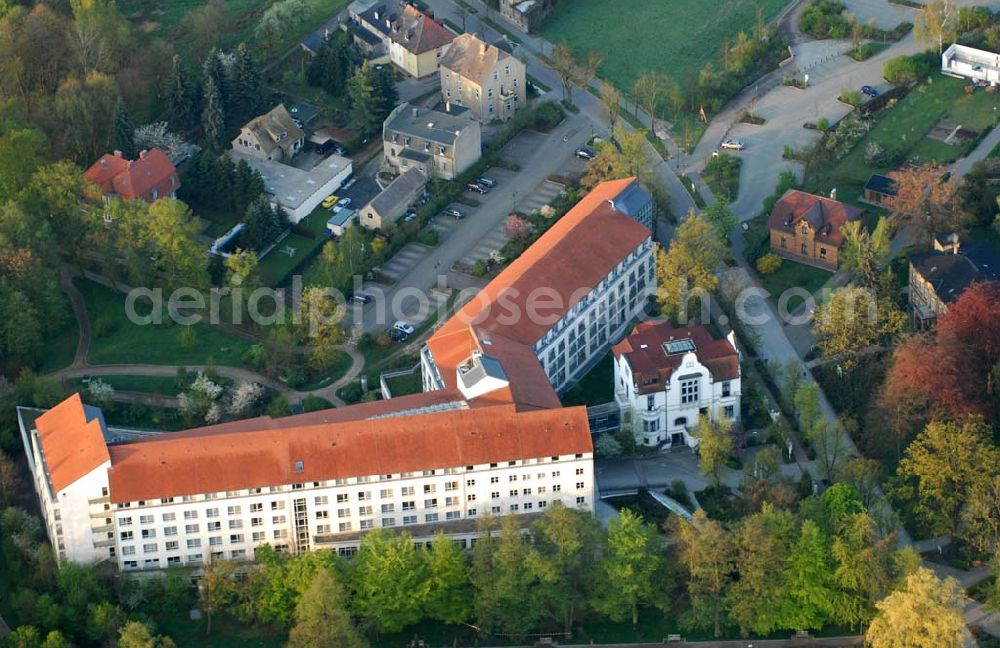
321	616
449	592
688	269
564	63
136	634
926	613
926	201
390	581
854	320
715	446
707	554
630	570
757	600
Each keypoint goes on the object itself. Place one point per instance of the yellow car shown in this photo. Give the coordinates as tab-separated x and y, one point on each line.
330	201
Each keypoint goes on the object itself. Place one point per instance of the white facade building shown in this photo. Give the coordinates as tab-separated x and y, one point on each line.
299	191
423	463
551	314
971	63
666	378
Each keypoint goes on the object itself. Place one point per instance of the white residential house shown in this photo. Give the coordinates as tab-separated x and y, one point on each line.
666	378
971	63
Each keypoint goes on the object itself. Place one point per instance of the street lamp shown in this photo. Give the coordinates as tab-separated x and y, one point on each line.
513	202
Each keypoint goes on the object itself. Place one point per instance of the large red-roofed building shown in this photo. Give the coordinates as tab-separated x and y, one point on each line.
149	177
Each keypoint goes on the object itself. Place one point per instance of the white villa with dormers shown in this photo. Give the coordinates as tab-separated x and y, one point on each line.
667	377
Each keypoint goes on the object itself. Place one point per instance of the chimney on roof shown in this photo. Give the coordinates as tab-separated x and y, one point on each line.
833	194
949	244
413	111
142	154
447	107
118	154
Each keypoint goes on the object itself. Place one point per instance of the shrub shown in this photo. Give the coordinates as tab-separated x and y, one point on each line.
823	124
479	268
315	403
104	326
429	237
850	97
351	393
548	115
382	340
768	264
904	70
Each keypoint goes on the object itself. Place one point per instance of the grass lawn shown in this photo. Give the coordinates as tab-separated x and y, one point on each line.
145	384
277	265
338	367
227	632
116	340
60	349
906	126
674	38
988	234
403	385
794	275
596	387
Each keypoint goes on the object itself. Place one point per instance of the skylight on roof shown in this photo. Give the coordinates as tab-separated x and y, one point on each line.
673	347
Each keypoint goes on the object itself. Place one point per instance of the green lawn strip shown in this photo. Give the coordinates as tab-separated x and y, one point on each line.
691	189
165	385
277	265
988	234
596	387
794	275
116	340
907	124
538	84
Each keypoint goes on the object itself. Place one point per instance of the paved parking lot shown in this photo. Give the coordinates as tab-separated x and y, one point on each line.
543	195
404	260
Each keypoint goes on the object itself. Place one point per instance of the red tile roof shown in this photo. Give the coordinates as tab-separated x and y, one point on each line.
133	179
652	366
418	33
172	465
73	445
824	215
568	261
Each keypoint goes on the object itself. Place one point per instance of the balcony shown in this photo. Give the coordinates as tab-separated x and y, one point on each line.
106	542
104	528
105	499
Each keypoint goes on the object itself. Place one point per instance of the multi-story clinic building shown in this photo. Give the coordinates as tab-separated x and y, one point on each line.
490	438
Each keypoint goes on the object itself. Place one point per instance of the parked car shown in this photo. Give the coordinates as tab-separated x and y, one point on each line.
362	298
478	188
733	145
330	201
326	147
403	327
454	212
585	153
487	182
344	202
409	216
869	91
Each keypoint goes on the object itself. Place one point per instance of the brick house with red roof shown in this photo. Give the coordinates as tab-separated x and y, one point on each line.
667	377
149	177
807	228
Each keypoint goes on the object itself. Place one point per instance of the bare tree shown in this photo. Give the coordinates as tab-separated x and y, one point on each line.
936	23
591	63
611	99
650	89
564	63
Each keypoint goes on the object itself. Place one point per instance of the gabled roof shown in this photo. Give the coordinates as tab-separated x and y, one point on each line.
171	465
434	125
133	179
275	128
950	274
399	193
568	261
652	362
472	58
72	440
825	216
418	33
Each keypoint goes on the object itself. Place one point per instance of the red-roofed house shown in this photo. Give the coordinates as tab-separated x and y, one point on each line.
551	314
807	228
149	177
667	377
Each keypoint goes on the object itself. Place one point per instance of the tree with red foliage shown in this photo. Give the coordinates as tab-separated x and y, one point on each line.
974	321
516	227
926	200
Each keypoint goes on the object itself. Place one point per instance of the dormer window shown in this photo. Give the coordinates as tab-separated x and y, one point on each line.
805	229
